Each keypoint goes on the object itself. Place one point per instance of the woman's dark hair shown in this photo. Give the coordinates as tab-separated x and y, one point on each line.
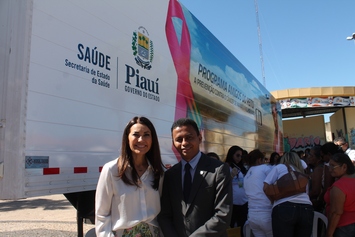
213	155
153	155
274	161
341	158
300	153
185	122
229	159
317	151
245	156
254	156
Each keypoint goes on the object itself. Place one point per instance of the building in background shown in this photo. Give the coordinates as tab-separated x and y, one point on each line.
303	129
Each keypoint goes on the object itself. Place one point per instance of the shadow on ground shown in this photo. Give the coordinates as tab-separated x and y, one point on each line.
39	232
46	204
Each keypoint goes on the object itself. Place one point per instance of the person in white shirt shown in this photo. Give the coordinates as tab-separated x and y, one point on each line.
291	216
260	207
127	194
344	145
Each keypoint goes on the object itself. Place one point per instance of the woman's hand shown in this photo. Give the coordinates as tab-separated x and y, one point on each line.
234	172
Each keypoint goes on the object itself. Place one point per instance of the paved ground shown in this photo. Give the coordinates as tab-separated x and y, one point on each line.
41	216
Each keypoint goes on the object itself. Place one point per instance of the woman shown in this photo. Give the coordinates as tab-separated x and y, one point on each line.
340	197
240	200
260	207
274	158
127	196
213	155
291	216
316	165
328	149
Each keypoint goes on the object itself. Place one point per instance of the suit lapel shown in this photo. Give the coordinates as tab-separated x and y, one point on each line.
178	185
200	174
178	181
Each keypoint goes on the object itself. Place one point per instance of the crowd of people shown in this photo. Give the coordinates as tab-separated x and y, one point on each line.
204	195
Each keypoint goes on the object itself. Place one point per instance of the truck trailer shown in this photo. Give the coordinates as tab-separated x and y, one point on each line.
74	72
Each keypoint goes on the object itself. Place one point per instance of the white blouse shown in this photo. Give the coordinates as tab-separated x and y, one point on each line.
254	184
120	206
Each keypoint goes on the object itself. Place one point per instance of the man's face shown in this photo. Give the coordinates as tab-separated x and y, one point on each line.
325	156
186	141
344	146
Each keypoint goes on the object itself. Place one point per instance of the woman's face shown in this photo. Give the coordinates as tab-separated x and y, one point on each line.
336	170
312	158
140	139
237	157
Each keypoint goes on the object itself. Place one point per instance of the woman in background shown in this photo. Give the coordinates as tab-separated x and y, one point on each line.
213	155
340	197
291	216
240	200
327	150
127	196
260	207
274	158
316	165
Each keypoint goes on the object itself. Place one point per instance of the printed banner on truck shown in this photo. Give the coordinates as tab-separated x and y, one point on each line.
93	66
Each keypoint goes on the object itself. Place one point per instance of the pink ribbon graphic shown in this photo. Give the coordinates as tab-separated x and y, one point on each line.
180	49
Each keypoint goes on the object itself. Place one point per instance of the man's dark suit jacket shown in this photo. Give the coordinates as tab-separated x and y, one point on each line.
210	203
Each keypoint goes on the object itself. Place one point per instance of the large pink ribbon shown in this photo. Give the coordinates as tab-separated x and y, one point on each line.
180	49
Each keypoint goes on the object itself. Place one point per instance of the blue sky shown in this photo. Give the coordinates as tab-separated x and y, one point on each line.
303	42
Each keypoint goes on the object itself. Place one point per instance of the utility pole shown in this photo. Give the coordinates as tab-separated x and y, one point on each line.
260	42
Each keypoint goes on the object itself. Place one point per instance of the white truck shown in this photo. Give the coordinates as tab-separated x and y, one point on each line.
74	72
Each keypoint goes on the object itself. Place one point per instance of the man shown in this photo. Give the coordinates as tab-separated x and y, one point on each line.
206	209
342	143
